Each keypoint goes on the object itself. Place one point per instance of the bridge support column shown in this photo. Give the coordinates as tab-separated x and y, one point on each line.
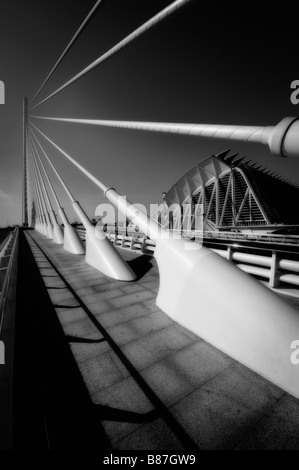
71	242
49	227
57	234
25	130
273	280
100	253
57	231
228	308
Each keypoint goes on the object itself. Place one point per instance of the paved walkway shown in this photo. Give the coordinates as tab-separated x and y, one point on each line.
156	385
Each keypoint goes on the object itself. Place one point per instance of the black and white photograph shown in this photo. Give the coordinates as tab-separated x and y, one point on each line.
149	229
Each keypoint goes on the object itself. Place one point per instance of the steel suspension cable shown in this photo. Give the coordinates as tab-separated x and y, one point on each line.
73	40
39	202
36	200
150	227
54	169
41	179
49	181
81	168
42	198
123	43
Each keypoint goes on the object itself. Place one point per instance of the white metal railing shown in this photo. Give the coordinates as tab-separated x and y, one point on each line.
273	267
4	259
231	236
263	238
3	244
8	272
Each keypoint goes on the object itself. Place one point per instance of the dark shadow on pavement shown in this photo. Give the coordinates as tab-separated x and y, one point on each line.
123	416
140	265
75	339
52	408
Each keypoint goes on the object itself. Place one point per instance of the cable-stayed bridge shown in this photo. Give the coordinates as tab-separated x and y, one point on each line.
149	352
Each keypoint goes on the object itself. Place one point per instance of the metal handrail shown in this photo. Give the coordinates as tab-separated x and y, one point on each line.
279	238
254	248
4	242
3	295
223	236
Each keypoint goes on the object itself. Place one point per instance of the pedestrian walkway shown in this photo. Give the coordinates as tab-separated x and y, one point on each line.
154	384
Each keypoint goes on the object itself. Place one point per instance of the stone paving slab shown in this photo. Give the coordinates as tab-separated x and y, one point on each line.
154	383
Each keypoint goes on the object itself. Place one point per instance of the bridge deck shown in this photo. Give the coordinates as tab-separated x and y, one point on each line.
157	385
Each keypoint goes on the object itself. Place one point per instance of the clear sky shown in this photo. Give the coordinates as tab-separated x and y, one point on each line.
205	64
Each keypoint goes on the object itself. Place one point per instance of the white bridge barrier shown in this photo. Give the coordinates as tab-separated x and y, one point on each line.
272	268
138	243
8	270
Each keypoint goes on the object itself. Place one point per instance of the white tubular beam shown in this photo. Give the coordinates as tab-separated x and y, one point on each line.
74	38
282	139
131	37
147	225
100	253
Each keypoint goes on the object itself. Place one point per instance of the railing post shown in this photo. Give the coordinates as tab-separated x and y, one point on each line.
229	253
132	242
273	279
143	246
